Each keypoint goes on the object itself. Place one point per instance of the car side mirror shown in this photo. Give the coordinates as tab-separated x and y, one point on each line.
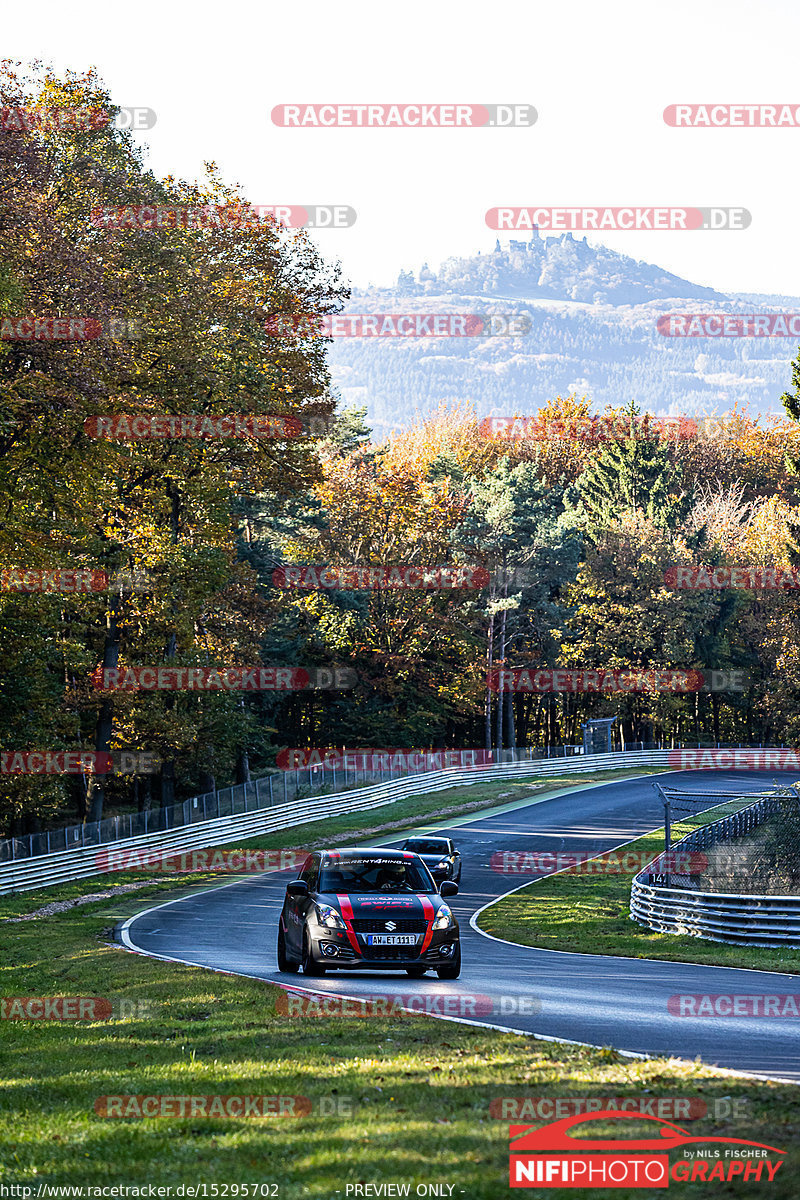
448	888
297	888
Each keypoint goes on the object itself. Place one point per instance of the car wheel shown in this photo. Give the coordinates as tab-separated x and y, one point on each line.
453	969
310	967
285	963
416	972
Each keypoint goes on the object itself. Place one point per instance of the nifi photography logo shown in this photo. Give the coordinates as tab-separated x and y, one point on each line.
551	1157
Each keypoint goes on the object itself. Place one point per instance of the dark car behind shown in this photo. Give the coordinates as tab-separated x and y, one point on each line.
439	855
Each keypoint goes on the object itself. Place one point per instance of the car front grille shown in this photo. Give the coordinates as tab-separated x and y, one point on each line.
378	925
390	953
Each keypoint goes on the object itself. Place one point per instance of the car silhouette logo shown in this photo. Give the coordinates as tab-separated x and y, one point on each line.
391	925
556	1136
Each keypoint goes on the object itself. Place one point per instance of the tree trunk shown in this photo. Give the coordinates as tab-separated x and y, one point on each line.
512	733
715	714
207	782
144	796
80	797
503	697
489	660
96	789
167	790
242	767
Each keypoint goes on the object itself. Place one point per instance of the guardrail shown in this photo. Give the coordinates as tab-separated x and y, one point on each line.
738	919
730	917
84	862
263	792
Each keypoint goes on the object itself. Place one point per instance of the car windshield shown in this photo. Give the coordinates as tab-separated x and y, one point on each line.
421	846
374	875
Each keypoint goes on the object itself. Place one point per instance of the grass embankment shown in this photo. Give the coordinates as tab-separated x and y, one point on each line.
590	914
410	1097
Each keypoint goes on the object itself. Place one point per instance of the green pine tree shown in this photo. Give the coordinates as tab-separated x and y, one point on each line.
633	473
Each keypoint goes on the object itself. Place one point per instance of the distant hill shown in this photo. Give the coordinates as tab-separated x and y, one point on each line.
593	316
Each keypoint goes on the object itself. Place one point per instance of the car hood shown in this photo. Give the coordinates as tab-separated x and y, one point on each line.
370	904
433	858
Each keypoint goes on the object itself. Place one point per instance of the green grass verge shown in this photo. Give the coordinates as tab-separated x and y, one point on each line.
411	1096
590	914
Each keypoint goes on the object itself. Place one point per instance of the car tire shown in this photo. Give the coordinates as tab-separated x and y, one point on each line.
416	972
310	967
453	969
458	876
284	962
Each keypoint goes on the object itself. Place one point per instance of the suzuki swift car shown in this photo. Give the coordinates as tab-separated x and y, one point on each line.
373	909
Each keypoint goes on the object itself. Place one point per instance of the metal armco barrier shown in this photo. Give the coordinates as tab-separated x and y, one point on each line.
83	862
732	917
263	792
718	916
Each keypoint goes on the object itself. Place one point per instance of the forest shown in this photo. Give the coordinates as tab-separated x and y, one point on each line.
441	555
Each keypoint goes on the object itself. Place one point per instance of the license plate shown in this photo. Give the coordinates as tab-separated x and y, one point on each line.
391	939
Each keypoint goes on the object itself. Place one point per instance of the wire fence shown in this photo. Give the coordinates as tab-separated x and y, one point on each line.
277	788
746	842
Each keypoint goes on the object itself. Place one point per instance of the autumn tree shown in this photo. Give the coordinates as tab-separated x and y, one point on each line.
198	297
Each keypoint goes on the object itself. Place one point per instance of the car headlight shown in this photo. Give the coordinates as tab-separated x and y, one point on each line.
444	918
329	916
442	866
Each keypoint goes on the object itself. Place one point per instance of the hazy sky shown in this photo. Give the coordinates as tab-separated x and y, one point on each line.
599	75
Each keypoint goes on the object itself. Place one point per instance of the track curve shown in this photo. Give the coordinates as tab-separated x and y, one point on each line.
594	999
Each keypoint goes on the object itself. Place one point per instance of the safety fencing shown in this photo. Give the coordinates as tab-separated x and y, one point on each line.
670	903
83	862
265	792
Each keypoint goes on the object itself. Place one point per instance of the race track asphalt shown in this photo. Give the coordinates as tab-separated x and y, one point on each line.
600	1000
